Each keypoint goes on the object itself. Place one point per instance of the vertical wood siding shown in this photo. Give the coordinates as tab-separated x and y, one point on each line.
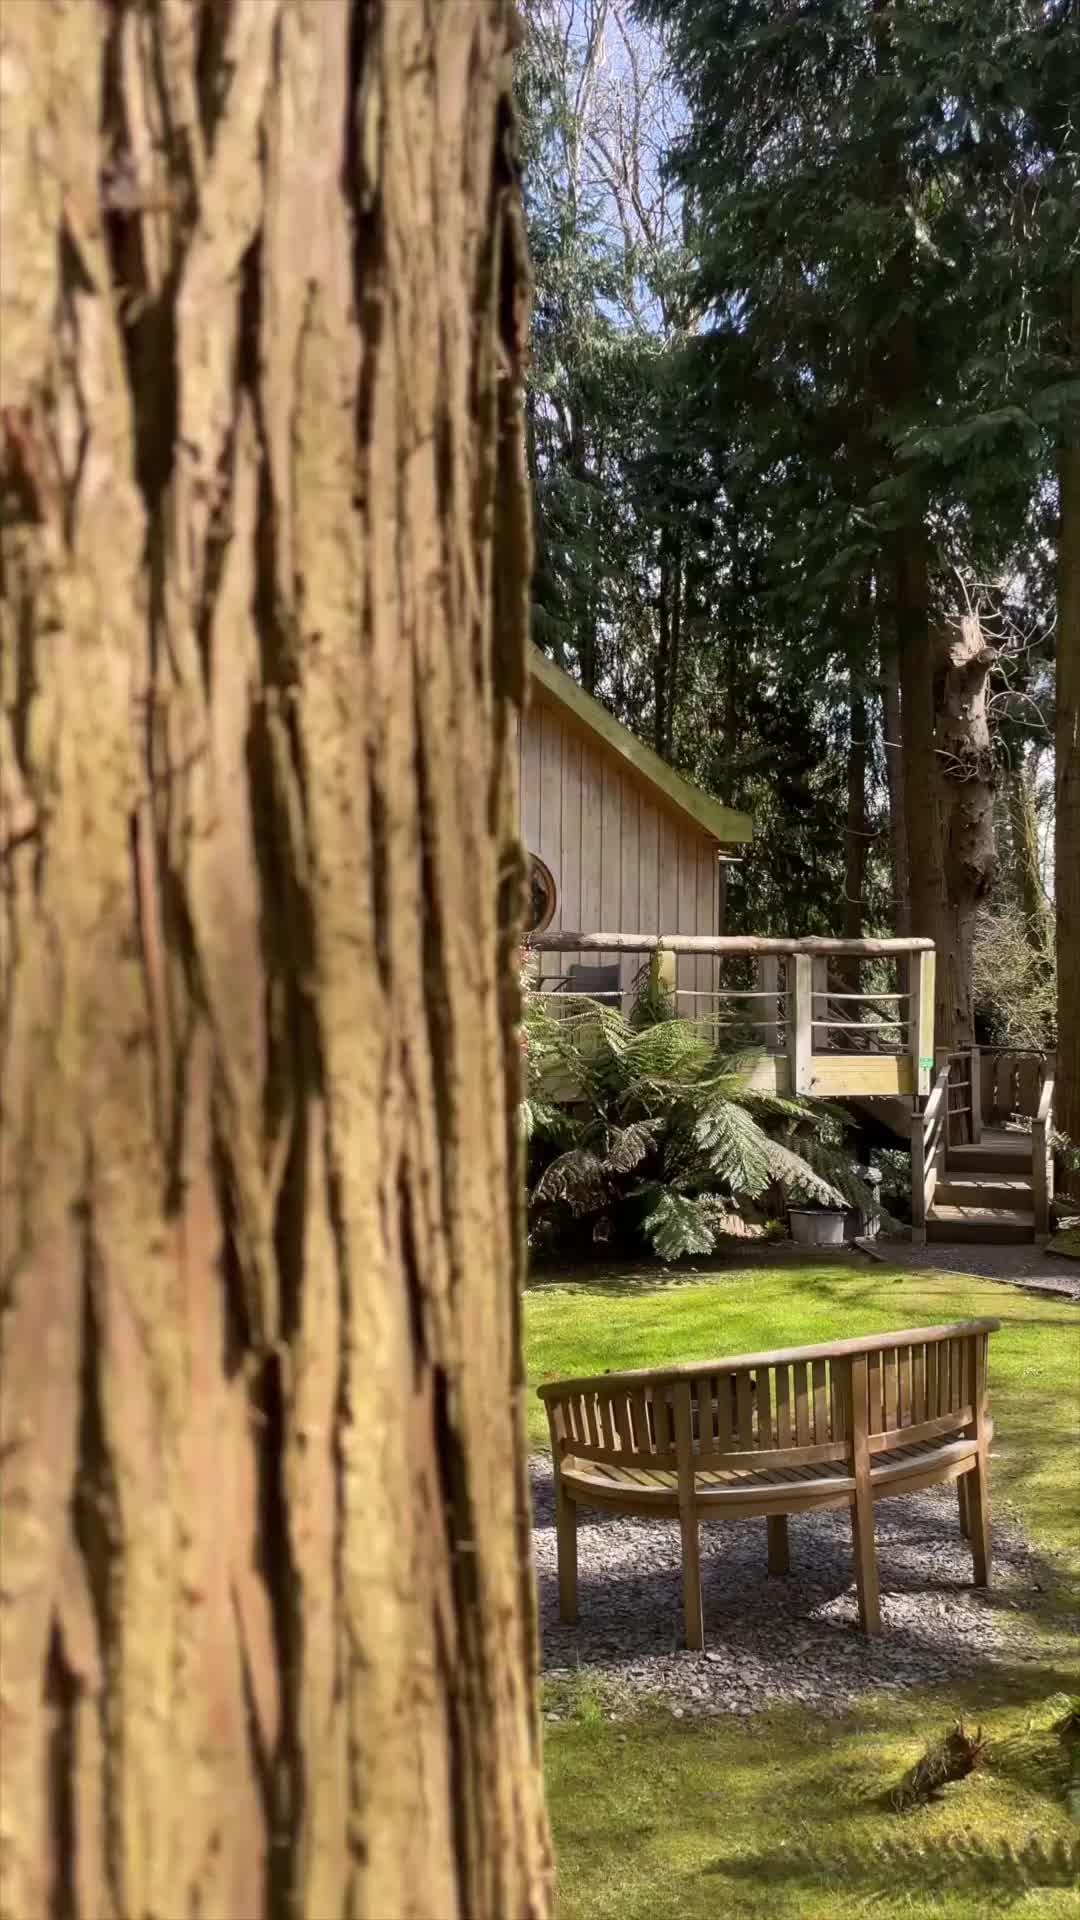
621	862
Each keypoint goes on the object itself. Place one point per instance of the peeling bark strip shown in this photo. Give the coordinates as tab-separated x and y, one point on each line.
267	1612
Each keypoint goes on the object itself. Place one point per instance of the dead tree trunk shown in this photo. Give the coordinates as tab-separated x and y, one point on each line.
948	790
931	917
268	1634
965	759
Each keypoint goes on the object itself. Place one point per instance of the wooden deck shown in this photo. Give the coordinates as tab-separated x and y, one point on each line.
806	1035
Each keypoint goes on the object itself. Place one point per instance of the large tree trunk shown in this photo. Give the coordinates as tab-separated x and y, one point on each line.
856	840
676	647
894	774
268	1634
662	656
1067	827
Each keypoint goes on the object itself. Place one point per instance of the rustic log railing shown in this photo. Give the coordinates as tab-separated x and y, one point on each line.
811	1037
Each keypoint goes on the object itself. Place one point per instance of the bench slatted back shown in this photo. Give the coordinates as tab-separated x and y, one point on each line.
780	1410
622	1425
924	1391
771	1414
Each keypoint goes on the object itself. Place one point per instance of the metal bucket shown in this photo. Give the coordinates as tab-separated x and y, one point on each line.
817	1228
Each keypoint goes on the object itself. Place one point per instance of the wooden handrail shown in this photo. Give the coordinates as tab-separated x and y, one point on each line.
746	943
778	1357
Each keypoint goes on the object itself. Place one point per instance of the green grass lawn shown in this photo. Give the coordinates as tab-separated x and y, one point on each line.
784	1813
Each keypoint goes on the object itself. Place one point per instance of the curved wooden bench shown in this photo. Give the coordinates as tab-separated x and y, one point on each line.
801	1429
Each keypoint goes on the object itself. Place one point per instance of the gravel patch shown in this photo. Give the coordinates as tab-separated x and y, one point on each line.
1031	1269
791	1639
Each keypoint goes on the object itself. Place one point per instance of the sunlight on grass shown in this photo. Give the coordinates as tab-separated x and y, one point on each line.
590	1324
785	1814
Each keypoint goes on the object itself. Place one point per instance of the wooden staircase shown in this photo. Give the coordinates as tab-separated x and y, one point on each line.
994	1190
985	1193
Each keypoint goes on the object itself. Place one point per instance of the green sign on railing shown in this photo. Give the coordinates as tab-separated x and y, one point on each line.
927	1064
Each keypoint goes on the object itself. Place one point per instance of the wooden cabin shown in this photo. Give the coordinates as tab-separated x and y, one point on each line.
618	840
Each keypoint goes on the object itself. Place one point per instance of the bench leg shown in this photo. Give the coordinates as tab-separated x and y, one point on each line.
779	1559
978	1508
566	1542
691	1582
962	1503
866	1573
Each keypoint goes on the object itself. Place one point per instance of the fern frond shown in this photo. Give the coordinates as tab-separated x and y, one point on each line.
678	1225
837	1168
576	1179
545	1121
799	1179
729	1144
627	1146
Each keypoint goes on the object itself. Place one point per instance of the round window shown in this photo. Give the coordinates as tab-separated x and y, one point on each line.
540	899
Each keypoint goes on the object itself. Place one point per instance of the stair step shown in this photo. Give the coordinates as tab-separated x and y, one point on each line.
984	1191
995	1157
982	1226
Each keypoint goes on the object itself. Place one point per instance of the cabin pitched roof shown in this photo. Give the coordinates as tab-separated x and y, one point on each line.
721	823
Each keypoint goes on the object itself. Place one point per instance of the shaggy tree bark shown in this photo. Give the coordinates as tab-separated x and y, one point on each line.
856	838
965	760
924	826
268	1634
1067	820
948	791
848	973
894	774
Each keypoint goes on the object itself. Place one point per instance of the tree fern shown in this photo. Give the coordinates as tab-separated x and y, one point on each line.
660	1135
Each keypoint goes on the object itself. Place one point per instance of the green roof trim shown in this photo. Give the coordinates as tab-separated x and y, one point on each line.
719	822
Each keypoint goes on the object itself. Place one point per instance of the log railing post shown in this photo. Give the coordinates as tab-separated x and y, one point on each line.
819	1035
800	1021
921	1018
768	981
663	975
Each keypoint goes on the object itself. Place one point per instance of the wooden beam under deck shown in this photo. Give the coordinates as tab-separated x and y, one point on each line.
870	1076
832	1075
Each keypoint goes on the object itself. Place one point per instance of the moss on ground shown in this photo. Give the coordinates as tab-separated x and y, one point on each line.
786	1814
